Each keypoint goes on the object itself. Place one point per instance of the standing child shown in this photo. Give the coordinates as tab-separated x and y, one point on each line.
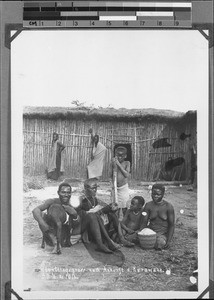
122	170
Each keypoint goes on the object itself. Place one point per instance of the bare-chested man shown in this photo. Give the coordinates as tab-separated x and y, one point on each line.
160	217
45	221
122	167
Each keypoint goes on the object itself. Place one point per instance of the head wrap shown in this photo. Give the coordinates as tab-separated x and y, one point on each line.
56	134
90	181
122	149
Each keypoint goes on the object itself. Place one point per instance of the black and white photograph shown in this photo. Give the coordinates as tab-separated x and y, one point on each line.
109	154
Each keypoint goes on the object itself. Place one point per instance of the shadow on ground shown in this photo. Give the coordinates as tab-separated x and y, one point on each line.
116	258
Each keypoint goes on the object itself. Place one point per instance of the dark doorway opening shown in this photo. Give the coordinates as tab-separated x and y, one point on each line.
129	151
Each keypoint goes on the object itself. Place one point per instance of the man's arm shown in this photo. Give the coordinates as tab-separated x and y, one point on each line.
37	213
70	210
145	216
171	224
92	142
61	146
124	170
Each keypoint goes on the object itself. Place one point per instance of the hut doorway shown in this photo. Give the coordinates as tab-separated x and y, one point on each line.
129	151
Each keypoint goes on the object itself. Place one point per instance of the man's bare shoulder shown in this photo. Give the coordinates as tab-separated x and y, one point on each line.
125	164
47	203
52	200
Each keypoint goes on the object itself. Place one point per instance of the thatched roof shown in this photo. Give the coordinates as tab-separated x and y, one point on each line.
107	114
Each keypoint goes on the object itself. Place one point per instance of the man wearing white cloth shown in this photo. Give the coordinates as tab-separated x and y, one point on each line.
122	169
95	167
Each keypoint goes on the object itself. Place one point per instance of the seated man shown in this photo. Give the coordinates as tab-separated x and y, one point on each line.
160	217
132	220
46	223
95	218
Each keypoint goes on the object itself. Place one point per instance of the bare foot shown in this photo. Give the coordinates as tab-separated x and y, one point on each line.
104	249
127	243
114	246
56	250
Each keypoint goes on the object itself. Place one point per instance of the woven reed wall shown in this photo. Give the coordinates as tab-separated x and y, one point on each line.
146	161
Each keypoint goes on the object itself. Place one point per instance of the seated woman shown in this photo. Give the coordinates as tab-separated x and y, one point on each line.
160	217
92	218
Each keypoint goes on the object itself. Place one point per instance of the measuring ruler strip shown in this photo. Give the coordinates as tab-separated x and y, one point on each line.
107	24
105	14
66	15
83	5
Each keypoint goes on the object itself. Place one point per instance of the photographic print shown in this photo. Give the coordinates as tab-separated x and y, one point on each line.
109	163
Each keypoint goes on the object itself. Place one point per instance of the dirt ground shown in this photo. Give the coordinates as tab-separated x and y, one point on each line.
128	269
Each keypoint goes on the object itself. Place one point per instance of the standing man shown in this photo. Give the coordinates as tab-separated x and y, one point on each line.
121	168
95	167
56	161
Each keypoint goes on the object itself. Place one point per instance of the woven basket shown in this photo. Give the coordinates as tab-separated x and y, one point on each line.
147	241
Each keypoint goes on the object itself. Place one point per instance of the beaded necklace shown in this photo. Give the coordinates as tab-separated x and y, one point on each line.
136	213
92	206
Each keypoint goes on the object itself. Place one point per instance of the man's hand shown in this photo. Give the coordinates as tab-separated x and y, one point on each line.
166	246
70	210
44	226
114	206
117	161
130	231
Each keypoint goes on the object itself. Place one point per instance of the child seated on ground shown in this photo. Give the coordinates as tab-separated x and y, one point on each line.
130	225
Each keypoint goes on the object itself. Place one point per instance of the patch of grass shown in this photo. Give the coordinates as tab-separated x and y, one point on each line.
178	223
193	233
32	183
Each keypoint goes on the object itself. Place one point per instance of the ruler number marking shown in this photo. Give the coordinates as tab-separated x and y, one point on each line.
33	23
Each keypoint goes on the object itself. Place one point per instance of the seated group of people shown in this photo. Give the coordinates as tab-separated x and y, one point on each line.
93	220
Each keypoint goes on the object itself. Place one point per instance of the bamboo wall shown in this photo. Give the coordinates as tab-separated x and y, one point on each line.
146	161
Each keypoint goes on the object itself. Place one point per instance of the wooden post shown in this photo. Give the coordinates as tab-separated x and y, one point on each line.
115	200
135	175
